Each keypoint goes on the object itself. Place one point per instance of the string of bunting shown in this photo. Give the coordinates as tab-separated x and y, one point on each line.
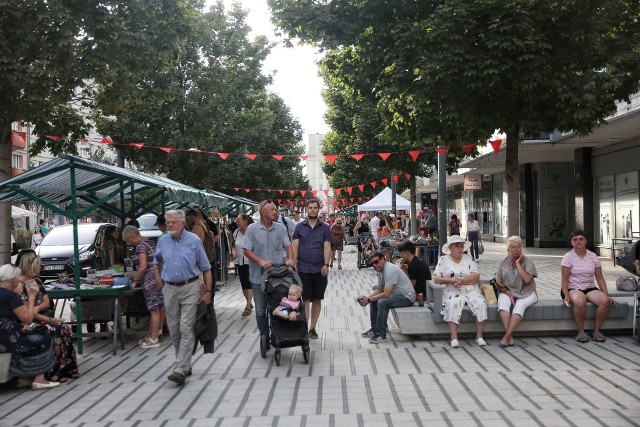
330	158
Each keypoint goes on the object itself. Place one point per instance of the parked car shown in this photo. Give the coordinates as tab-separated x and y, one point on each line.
56	250
148	227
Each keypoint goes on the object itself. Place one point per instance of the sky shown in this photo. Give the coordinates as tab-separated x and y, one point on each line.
296	79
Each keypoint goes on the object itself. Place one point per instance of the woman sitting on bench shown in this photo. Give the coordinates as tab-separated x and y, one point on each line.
579	267
515	279
32	355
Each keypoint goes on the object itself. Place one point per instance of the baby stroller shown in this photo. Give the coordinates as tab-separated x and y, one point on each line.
284	333
369	246
627	257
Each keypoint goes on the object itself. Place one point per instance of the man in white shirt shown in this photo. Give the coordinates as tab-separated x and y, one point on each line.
295	216
374	225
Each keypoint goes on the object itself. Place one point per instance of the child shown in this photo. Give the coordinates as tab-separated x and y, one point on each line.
289	307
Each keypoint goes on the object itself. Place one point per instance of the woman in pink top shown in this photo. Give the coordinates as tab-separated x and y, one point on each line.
579	267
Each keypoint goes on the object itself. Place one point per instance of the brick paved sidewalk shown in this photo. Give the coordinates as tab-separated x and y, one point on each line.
551	381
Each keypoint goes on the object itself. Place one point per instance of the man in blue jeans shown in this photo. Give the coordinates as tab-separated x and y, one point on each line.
264	244
394	290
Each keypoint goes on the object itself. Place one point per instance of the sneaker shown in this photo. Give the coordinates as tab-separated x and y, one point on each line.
177	378
313	334
150	343
481	342
368	333
377	339
455	344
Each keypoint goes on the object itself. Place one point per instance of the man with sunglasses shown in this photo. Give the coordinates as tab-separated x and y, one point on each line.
394	290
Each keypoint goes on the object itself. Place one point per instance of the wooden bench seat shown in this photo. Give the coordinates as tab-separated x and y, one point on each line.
543	318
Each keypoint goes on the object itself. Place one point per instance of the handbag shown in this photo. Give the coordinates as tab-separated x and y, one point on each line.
489	293
480	248
627	283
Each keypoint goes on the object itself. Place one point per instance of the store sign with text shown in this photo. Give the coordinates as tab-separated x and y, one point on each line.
473	182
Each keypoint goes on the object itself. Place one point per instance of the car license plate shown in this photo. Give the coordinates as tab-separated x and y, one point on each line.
52	267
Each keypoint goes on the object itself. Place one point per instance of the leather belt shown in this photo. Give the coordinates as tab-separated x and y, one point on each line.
184	282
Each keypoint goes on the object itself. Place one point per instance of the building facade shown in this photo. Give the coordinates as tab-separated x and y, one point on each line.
313	169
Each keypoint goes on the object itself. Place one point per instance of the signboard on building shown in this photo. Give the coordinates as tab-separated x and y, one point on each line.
472	182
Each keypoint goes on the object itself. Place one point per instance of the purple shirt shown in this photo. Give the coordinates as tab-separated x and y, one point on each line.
311	245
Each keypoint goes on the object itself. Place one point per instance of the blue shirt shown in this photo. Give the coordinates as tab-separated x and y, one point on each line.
183	258
268	244
311	245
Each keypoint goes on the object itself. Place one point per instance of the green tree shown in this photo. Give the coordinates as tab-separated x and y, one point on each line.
55	53
459	69
213	97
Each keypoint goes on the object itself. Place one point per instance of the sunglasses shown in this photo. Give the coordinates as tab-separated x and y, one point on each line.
375	262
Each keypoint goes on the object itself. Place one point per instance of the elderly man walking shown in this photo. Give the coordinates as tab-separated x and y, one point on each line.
264	244
312	251
179	261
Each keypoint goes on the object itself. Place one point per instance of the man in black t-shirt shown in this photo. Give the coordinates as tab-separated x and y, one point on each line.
417	270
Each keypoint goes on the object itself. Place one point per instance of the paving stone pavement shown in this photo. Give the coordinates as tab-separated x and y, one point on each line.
549	381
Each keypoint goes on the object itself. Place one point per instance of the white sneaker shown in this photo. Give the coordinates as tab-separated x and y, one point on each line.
455	344
481	342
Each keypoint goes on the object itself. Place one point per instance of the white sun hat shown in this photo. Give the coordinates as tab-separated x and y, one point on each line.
455	239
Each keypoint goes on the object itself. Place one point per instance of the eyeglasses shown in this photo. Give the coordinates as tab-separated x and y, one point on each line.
578	238
375	262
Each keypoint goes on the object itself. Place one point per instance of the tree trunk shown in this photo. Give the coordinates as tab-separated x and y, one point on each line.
513	182
5	208
413	229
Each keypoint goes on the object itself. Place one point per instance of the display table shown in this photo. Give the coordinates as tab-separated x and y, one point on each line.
112	293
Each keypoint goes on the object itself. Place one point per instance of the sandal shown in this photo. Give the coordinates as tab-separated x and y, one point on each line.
339	267
598	337
246	312
58	379
582	338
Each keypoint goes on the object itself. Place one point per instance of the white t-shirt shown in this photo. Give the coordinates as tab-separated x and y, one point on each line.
36	239
374	224
473	226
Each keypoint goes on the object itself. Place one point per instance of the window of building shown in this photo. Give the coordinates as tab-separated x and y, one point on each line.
16	161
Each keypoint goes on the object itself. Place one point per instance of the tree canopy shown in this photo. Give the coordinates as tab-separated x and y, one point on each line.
455	70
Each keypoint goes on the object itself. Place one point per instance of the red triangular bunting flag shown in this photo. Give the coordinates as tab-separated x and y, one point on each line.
280	191
373	184
349	190
270	191
292	192
384	181
331	158
137	144
414	154
359	199
279	201
247	189
496	143
194	150
250	156
407	175
384	156
166	149
351	199
326	193
395	178
338	190
361	187
303	192
314	192
18	138
442	150
236	188
223	156
468	148
278	156
53	137
358	157
106	140
303	158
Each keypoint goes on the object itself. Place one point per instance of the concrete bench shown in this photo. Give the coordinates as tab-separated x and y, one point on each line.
543	318
5	363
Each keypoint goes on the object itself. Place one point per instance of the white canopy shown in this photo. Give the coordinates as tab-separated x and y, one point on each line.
382	202
17	212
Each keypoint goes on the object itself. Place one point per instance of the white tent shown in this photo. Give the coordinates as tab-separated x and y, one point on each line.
17	213
382	202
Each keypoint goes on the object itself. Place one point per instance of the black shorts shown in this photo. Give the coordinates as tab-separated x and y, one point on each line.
314	286
584	291
243	274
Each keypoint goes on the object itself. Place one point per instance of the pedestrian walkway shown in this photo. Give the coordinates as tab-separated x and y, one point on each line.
408	381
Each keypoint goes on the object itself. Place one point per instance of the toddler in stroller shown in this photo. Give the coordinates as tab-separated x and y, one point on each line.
281	285
368	245
290	306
